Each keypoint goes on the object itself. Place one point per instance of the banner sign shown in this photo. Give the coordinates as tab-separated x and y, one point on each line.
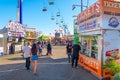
89	19
31	35
111	45
15	34
104	14
30	29
15	27
91	64
111	14
90	13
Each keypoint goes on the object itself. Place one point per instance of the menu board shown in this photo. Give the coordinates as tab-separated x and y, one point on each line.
15	27
31	35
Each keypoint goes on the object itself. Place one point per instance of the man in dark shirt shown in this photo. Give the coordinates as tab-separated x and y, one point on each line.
76	50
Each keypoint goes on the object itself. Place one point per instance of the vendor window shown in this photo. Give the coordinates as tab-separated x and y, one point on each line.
90	46
94	49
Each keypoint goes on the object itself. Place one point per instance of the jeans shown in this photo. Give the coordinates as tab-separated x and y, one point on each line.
75	58
27	63
69	56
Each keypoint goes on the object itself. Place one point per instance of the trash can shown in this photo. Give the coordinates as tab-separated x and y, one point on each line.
1	51
1	54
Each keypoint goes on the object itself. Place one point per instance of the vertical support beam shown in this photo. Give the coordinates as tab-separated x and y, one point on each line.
81	5
20	11
87	3
102	51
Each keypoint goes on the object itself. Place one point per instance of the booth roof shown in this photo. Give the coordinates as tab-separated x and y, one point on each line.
4	30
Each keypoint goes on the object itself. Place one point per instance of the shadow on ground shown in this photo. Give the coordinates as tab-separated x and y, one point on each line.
48	69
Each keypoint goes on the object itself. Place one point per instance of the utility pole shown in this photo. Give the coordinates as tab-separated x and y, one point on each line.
81	5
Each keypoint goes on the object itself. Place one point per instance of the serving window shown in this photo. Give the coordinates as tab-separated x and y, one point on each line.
90	46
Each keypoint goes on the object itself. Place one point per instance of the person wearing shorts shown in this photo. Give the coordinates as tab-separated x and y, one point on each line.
34	57
40	48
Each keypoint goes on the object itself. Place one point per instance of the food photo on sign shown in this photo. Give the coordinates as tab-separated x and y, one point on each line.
113	54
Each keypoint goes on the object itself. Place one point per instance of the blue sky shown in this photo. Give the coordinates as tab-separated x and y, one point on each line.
33	15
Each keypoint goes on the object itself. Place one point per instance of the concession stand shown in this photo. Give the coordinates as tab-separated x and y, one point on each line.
99	34
31	34
13	37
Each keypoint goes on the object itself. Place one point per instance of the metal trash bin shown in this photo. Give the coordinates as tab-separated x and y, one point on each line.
1	54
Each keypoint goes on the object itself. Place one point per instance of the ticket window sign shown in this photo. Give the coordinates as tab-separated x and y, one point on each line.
91	64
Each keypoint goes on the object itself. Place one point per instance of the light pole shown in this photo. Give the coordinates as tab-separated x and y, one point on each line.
81	5
74	6
76	34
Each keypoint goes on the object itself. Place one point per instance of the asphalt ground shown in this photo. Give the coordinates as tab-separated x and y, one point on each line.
55	67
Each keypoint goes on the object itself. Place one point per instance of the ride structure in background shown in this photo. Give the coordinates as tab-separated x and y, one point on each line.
51	2
60	23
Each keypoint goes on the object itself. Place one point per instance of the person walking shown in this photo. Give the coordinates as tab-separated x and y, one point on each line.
40	48
49	49
69	51
34	58
26	54
76	50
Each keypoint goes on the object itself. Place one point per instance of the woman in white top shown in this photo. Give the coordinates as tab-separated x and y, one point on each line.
26	52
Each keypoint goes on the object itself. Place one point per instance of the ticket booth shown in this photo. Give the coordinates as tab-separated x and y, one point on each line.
99	33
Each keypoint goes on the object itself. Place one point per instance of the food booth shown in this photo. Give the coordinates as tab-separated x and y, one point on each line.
13	37
99	34
31	34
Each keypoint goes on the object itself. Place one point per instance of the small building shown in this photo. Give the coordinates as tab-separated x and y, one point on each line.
31	34
99	33
13	37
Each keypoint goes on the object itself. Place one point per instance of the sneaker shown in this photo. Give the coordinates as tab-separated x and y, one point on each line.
76	67
35	74
28	68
